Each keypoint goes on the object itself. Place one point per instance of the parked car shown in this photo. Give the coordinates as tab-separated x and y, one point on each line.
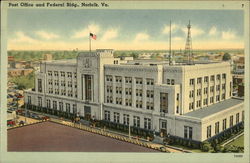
10	123
35	116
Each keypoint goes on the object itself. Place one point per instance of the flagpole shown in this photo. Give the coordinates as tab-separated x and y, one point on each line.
89	43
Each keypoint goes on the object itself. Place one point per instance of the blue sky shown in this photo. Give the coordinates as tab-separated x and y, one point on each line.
41	29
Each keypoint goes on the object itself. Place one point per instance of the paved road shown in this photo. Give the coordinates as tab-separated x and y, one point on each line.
49	136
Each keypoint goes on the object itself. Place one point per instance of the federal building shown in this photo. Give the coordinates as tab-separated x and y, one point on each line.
191	101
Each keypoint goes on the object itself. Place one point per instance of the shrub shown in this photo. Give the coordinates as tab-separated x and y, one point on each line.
206	146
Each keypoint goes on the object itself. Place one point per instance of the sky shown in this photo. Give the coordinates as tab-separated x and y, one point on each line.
64	29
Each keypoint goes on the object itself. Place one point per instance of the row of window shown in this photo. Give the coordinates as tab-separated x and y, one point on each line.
205	90
63	92
118	79
56	83
61	106
56	73
206	79
126	119
205	101
224	124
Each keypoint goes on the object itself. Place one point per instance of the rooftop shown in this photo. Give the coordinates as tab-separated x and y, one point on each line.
213	109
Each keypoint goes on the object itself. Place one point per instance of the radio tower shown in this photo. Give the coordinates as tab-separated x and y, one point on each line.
188	47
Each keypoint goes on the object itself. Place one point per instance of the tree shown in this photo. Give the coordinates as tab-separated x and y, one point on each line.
226	57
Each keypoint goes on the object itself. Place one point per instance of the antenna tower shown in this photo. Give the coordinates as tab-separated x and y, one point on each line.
170	52
188	47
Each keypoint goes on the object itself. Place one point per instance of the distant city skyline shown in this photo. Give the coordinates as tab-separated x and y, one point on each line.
40	29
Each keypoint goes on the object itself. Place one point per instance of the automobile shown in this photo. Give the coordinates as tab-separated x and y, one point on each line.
11	109
35	116
44	117
21	122
10	123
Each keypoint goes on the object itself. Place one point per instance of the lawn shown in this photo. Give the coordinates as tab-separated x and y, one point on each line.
239	142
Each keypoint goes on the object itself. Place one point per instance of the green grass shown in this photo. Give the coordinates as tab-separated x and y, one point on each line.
239	142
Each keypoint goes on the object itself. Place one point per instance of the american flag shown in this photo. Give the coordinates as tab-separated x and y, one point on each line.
93	36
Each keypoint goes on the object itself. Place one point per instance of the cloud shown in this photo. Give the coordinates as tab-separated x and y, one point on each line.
228	35
85	32
110	34
22	38
212	31
141	37
46	35
166	28
195	31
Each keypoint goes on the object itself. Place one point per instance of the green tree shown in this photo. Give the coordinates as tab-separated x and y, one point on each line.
226	57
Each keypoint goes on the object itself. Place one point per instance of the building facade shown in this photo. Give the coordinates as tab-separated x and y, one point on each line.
183	100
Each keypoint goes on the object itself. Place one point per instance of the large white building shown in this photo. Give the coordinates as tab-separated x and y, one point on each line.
191	101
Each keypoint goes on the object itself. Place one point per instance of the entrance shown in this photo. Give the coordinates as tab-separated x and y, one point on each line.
87	112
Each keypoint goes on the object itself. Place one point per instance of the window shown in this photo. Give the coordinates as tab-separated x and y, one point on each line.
188	132
62	83
109	78
242	116
56	82
217	127
217	98
67	108
199	80
62	74
191	93
138	104
208	131
69	83
49	73
212	78
198	103
231	121
150	81
172	81
223	86
29	100
40	102
224	125
164	102
118	79
116	117
191	82
107	115
74	109
61	106
150	94
69	74
223	96
75	75
206	79
55	73
211	100
212	89
164	125
237	118
40	85
191	105
125	119
147	123
223	76
205	90
168	81
217	87
205	101
48	104
88	87
55	105
150	105
136	121
198	92
138	80
218	77
128	80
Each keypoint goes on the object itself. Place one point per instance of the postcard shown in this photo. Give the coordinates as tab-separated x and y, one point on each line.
124	81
